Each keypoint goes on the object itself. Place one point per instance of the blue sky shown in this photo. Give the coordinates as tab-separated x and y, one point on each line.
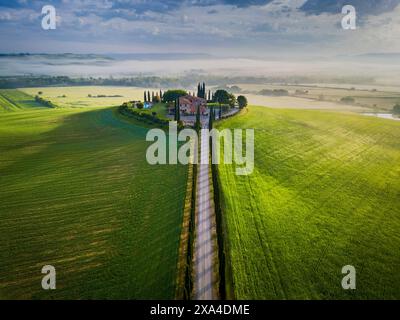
224	27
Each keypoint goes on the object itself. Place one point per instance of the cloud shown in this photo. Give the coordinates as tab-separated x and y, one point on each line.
363	7
171	5
233	26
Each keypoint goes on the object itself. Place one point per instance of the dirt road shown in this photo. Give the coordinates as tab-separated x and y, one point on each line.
205	250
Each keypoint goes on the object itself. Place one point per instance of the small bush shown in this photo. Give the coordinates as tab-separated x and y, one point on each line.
348	100
44	102
275	92
145	117
242	101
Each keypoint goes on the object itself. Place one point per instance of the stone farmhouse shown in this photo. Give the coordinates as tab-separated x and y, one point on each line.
188	105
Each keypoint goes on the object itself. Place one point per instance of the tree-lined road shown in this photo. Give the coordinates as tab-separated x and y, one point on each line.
205	250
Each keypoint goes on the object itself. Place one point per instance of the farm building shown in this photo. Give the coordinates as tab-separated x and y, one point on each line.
148	105
188	104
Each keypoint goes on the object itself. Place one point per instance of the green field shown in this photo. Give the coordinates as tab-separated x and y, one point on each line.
14	100
78	97
366	99
325	193
77	193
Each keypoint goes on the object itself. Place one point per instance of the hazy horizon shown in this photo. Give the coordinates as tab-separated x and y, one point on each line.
380	70
267	38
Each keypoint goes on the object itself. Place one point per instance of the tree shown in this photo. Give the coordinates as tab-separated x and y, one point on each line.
221	96
232	100
178	110
197	125
139	105
148	96
242	101
201	90
211	119
145	97
348	100
396	109
156	99
175	112
172	95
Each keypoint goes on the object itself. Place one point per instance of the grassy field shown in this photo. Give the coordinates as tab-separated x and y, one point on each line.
14	100
76	97
377	99
77	193
325	193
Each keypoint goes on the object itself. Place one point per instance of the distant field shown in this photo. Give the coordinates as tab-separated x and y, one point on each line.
325	193
324	98
77	193
76	97
302	103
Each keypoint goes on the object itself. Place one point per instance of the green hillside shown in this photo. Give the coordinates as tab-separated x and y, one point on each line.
78	194
325	193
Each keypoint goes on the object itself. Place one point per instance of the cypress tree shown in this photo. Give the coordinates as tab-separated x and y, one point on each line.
178	118
145	97
197	124
210	121
176	113
148	96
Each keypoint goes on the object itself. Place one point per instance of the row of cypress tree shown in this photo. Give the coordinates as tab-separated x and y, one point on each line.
150	97
202	93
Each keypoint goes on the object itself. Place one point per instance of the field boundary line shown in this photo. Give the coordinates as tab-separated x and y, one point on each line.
216	256
184	269
10	102
226	282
